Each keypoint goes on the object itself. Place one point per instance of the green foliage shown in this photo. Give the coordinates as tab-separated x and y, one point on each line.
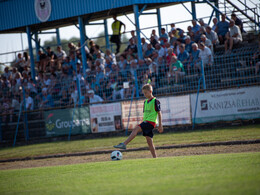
205	174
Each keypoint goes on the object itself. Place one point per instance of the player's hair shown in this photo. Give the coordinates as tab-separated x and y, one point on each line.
147	87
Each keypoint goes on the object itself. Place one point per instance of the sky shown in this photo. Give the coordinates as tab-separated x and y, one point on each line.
170	14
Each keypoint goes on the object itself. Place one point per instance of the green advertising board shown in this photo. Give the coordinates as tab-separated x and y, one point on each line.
59	122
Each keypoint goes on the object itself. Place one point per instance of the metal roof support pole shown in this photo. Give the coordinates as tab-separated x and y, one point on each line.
159	21
193	8
29	37
37	45
137	26
82	43
58	36
217	6
106	34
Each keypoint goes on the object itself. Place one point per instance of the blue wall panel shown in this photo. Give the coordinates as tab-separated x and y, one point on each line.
19	13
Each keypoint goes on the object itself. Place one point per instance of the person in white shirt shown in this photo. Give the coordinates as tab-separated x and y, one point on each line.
205	55
234	36
28	102
94	98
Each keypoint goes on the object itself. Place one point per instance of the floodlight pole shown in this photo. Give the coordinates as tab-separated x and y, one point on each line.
82	44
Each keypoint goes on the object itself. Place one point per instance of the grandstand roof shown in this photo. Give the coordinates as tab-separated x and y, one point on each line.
15	15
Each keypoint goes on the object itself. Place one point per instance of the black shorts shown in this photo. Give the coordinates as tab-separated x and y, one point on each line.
147	129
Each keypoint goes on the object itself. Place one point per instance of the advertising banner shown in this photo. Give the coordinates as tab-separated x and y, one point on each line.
105	117
227	105
136	113
176	110
58	122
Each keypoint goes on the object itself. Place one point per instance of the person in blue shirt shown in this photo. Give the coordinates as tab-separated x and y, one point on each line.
183	55
222	28
194	58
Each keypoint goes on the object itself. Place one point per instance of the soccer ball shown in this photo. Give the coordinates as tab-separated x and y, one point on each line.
116	155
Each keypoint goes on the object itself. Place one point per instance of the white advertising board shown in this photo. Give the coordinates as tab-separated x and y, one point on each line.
175	110
136	113
105	117
226	105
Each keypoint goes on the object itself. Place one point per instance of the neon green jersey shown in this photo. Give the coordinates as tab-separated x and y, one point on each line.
150	113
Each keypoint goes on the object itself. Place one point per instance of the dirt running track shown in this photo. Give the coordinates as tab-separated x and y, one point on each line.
131	155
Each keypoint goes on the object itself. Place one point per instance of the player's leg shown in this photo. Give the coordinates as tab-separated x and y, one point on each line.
151	146
136	130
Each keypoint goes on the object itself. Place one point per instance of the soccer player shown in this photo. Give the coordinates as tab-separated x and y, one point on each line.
151	111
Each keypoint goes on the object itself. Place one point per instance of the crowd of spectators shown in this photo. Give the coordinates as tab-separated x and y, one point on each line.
166	59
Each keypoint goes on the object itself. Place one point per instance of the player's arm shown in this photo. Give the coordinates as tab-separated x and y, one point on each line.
160	128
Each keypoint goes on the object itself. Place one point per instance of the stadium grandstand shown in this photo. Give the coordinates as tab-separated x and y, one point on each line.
220	52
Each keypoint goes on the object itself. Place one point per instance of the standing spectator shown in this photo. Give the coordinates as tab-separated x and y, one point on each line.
52	57
29	102
116	37
238	22
205	55
215	21
72	48
222	29
233	37
27	61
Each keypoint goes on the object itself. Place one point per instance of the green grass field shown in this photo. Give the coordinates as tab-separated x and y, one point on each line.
197	136
203	174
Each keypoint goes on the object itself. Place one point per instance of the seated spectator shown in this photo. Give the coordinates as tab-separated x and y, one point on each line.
66	66
206	56
202	23
133	37
19	63
149	52
194	58
195	27
176	70
61	55
108	62
153	41
93	98
47	101
72	48
238	22
118	92
222	29
212	35
132	46
128	91
169	57
215	21
64	100
207	42
175	33
15	106
183	55
190	33
232	37
110	55
5	109
91	47
155	56
107	91
29	102
153	34
122	62
52	58
164	37
255	60
99	76
26	58
73	94
188	44
144	45
7	74
160	50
